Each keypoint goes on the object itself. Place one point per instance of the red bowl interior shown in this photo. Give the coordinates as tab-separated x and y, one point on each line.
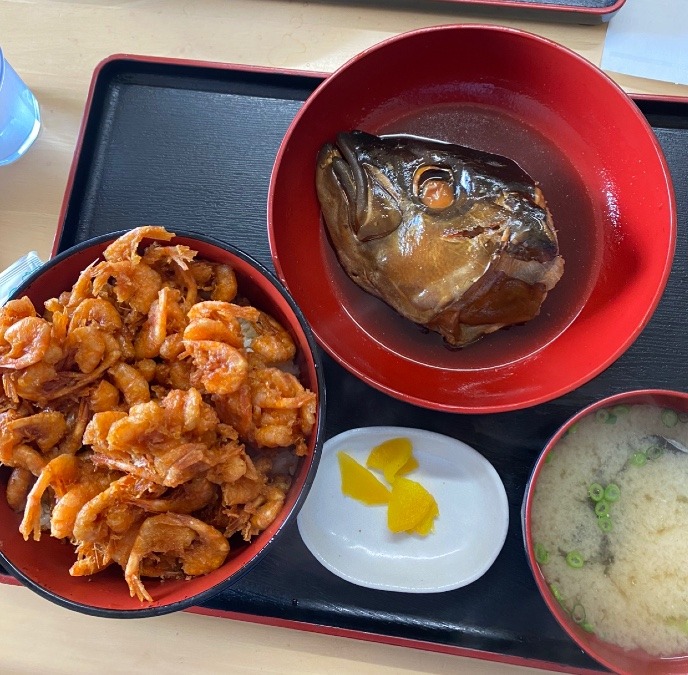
636	662
44	565
571	128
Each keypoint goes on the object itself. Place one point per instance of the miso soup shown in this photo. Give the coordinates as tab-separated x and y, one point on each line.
610	527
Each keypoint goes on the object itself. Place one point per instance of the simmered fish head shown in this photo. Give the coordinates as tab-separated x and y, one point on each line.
420	223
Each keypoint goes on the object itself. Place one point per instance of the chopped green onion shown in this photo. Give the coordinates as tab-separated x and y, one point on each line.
679	624
669	417
683	417
588	627
541	554
602	508
548	458
605	523
574	559
654	452
596	491
602	415
578	613
638	459
620	409
612	492
556	593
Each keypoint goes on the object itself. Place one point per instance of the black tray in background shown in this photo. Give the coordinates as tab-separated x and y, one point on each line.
560	11
565	11
192	147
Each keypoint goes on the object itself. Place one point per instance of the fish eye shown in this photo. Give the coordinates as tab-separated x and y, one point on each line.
434	186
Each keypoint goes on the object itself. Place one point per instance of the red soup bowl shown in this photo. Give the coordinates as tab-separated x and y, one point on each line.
44	565
559	556
571	128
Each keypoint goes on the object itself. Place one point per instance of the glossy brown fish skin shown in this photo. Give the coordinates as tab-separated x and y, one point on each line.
452	238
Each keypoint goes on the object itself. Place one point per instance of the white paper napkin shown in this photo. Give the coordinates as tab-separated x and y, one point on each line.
649	38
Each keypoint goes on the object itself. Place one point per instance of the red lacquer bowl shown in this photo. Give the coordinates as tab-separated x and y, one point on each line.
575	131
626	662
44	565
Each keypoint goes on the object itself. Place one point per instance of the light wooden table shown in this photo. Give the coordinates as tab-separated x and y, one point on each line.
55	46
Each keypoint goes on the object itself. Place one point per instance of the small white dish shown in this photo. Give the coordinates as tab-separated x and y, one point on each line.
352	540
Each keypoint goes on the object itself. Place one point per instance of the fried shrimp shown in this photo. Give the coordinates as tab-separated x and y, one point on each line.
88	347
225	285
14	311
187	498
96	311
69	505
45	429
154	331
145	413
133	283
220	368
196	548
24	457
125	248
272	342
130	382
18	485
91	523
28	340
57	474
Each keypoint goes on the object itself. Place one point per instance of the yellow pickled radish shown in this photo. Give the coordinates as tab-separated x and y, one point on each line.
390	457
409	505
359	483
411	465
427	525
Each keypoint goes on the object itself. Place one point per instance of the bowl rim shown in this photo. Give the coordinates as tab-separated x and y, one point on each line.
526	510
472	407
287	518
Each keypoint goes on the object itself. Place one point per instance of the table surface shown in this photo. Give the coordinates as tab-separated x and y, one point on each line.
55	45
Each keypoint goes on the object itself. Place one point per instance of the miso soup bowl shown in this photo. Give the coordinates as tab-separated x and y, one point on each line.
44	565
637	661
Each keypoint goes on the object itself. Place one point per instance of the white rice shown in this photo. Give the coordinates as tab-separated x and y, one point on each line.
633	586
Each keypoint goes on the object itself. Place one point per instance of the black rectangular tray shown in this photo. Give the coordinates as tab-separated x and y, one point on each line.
578	11
191	146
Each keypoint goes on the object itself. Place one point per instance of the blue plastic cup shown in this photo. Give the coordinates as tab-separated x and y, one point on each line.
20	119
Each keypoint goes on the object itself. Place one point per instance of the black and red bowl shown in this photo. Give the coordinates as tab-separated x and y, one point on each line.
43	566
571	128
617	659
